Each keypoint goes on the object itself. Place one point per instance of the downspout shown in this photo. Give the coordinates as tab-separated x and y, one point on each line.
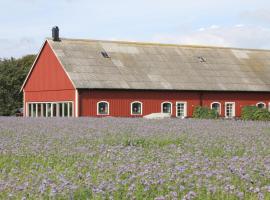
201	98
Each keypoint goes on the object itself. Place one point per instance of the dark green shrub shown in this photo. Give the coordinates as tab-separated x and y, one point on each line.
204	113
248	112
255	113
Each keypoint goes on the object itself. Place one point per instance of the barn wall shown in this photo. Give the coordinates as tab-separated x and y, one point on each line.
120	100
48	82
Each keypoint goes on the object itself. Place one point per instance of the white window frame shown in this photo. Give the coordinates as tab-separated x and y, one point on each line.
219	106
131	104
168	103
54	102
233	111
264	104
108	107
185	109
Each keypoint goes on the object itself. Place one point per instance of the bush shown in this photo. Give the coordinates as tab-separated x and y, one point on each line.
205	113
255	113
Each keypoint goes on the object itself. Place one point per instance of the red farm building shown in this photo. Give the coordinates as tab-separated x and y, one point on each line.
129	79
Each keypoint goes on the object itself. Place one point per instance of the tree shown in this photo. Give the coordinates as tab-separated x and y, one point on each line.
12	74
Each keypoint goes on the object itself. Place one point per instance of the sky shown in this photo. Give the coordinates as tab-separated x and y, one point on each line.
25	24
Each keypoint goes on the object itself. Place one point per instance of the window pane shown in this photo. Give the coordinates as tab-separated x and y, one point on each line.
166	108
261	105
44	109
70	109
229	110
103	108
34	110
54	109
216	106
60	109
181	110
49	111
65	109
30	110
136	108
39	110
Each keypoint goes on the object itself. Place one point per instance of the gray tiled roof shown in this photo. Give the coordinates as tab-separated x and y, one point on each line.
162	67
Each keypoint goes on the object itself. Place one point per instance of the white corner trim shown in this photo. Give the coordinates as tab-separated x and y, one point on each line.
76	103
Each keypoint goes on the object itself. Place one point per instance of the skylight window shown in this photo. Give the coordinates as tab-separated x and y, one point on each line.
105	54
201	59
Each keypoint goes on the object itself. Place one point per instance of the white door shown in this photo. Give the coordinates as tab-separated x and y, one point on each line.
229	109
181	109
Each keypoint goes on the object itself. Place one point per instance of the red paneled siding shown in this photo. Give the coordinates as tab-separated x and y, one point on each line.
120	100
48	82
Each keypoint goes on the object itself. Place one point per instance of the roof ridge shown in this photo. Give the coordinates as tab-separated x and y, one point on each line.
158	44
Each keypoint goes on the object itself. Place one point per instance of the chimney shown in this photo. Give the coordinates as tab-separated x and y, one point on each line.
55	34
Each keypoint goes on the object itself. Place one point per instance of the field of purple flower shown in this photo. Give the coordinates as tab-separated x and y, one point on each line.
111	158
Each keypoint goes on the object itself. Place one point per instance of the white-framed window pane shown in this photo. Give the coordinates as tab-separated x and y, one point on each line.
136	108
34	110
61	110
181	109
70	109
49	111
39	110
29	110
44	110
103	108
229	110
167	108
65	109
216	106
54	110
261	105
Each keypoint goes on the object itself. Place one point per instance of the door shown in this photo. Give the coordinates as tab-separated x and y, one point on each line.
181	109
229	109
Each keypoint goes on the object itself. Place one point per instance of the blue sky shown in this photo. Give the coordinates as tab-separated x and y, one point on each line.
237	23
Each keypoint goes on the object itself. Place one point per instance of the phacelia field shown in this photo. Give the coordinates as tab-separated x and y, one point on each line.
115	158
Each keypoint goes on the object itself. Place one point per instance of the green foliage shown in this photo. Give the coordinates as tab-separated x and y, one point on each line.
255	113
205	113
12	74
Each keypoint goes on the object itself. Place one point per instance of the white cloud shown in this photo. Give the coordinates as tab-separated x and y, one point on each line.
258	15
233	36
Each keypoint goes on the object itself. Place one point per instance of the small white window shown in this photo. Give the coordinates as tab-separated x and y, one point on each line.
261	105
229	109
103	108
216	106
136	108
166	107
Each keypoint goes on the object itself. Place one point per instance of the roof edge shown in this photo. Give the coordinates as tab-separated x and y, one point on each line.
34	63
158	44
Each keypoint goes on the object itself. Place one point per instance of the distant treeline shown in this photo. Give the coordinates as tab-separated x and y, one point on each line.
12	74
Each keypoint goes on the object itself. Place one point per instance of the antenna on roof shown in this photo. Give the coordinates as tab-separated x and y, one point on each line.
55	34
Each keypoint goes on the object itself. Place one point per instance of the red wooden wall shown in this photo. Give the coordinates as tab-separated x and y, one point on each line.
48	82
120	100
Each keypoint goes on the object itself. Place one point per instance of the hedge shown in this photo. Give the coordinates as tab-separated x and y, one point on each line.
255	113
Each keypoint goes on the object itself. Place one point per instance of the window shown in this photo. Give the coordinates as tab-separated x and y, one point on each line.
181	109
105	54
216	106
103	108
52	109
136	108
166	107
261	105
229	109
